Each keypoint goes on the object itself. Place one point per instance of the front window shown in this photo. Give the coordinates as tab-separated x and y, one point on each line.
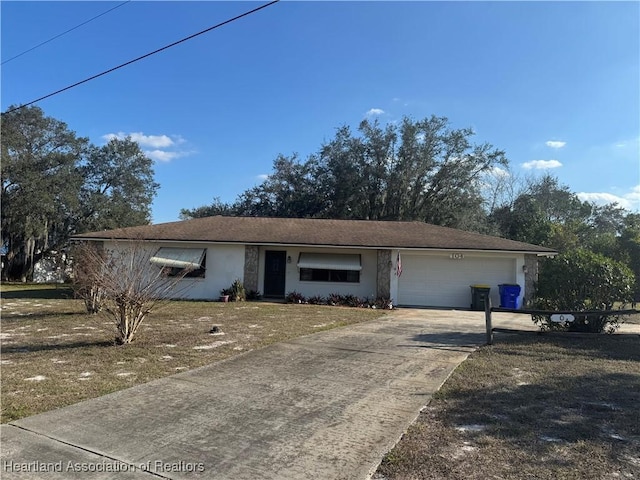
175	261
326	275
329	267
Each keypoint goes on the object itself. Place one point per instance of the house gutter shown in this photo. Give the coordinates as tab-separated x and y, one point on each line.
308	245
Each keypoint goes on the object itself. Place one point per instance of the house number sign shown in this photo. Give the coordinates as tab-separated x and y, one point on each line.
456	256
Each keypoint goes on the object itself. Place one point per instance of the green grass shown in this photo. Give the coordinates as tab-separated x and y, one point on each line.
36	290
531	407
55	354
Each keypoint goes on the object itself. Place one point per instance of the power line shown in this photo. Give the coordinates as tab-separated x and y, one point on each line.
144	56
64	33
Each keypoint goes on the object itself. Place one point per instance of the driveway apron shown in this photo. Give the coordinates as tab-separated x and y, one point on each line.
328	405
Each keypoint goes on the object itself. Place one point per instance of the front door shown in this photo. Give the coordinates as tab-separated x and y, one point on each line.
275	265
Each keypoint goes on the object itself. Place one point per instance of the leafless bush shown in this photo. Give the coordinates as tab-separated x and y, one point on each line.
85	256
120	282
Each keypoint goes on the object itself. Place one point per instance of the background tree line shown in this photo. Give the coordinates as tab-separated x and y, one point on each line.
417	170
56	184
426	171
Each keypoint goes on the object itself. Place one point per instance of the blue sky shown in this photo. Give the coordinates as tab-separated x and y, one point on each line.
554	84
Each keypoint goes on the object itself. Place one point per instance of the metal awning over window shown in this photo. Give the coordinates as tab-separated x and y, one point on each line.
179	257
330	261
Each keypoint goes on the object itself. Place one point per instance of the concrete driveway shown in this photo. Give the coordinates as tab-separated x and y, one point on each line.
328	405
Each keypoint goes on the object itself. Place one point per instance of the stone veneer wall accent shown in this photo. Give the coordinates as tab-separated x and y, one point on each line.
531	264
383	282
251	256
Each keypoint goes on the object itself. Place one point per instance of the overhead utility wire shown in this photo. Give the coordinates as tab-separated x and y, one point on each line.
64	33
143	56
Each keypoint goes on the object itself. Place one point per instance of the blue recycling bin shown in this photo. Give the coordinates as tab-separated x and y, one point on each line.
509	295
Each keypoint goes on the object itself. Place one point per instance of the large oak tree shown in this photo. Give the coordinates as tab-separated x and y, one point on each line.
55	184
417	170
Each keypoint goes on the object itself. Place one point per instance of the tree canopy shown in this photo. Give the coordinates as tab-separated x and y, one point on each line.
416	170
427	171
56	184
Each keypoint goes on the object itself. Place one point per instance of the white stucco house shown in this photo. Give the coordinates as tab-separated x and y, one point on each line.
414	263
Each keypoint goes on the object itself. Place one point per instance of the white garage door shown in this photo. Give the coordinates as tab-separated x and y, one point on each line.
439	281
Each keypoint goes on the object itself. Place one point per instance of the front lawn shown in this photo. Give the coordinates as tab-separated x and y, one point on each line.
531	407
55	354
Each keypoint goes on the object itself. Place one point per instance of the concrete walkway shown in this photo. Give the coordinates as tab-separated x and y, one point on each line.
328	405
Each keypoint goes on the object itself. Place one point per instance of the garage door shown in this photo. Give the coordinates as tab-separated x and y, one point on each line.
439	281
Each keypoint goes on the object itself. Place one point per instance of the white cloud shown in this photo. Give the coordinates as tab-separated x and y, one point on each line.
541	164
165	156
161	155
153	141
627	143
630	200
500	172
262	176
157	144
374	111
110	136
555	144
602	198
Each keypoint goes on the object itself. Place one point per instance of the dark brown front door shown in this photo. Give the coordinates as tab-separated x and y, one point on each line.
275	265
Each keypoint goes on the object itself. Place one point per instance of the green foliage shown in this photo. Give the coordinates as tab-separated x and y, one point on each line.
237	292
40	185
118	186
56	184
295	297
581	280
316	300
254	295
340	300
417	170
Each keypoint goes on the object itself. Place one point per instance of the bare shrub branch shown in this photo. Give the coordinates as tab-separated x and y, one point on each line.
120	281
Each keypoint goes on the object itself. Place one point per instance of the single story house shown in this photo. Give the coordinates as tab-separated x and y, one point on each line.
413	263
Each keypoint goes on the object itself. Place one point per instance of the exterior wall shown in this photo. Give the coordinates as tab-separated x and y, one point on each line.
251	265
517	273
530	277
383	289
224	264
52	270
367	286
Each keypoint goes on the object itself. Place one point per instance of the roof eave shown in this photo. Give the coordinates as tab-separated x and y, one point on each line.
540	253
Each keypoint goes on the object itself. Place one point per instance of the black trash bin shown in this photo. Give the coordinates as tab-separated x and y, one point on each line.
479	295
509	294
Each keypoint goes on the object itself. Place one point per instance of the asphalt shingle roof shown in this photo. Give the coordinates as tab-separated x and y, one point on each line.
317	232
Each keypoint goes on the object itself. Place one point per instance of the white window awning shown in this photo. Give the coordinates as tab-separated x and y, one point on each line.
179	257
330	261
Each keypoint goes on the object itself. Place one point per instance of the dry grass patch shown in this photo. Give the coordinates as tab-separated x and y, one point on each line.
531	407
54	354
635	319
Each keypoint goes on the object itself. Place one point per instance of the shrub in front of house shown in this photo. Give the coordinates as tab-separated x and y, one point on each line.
295	297
254	295
338	300
317	300
578	281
